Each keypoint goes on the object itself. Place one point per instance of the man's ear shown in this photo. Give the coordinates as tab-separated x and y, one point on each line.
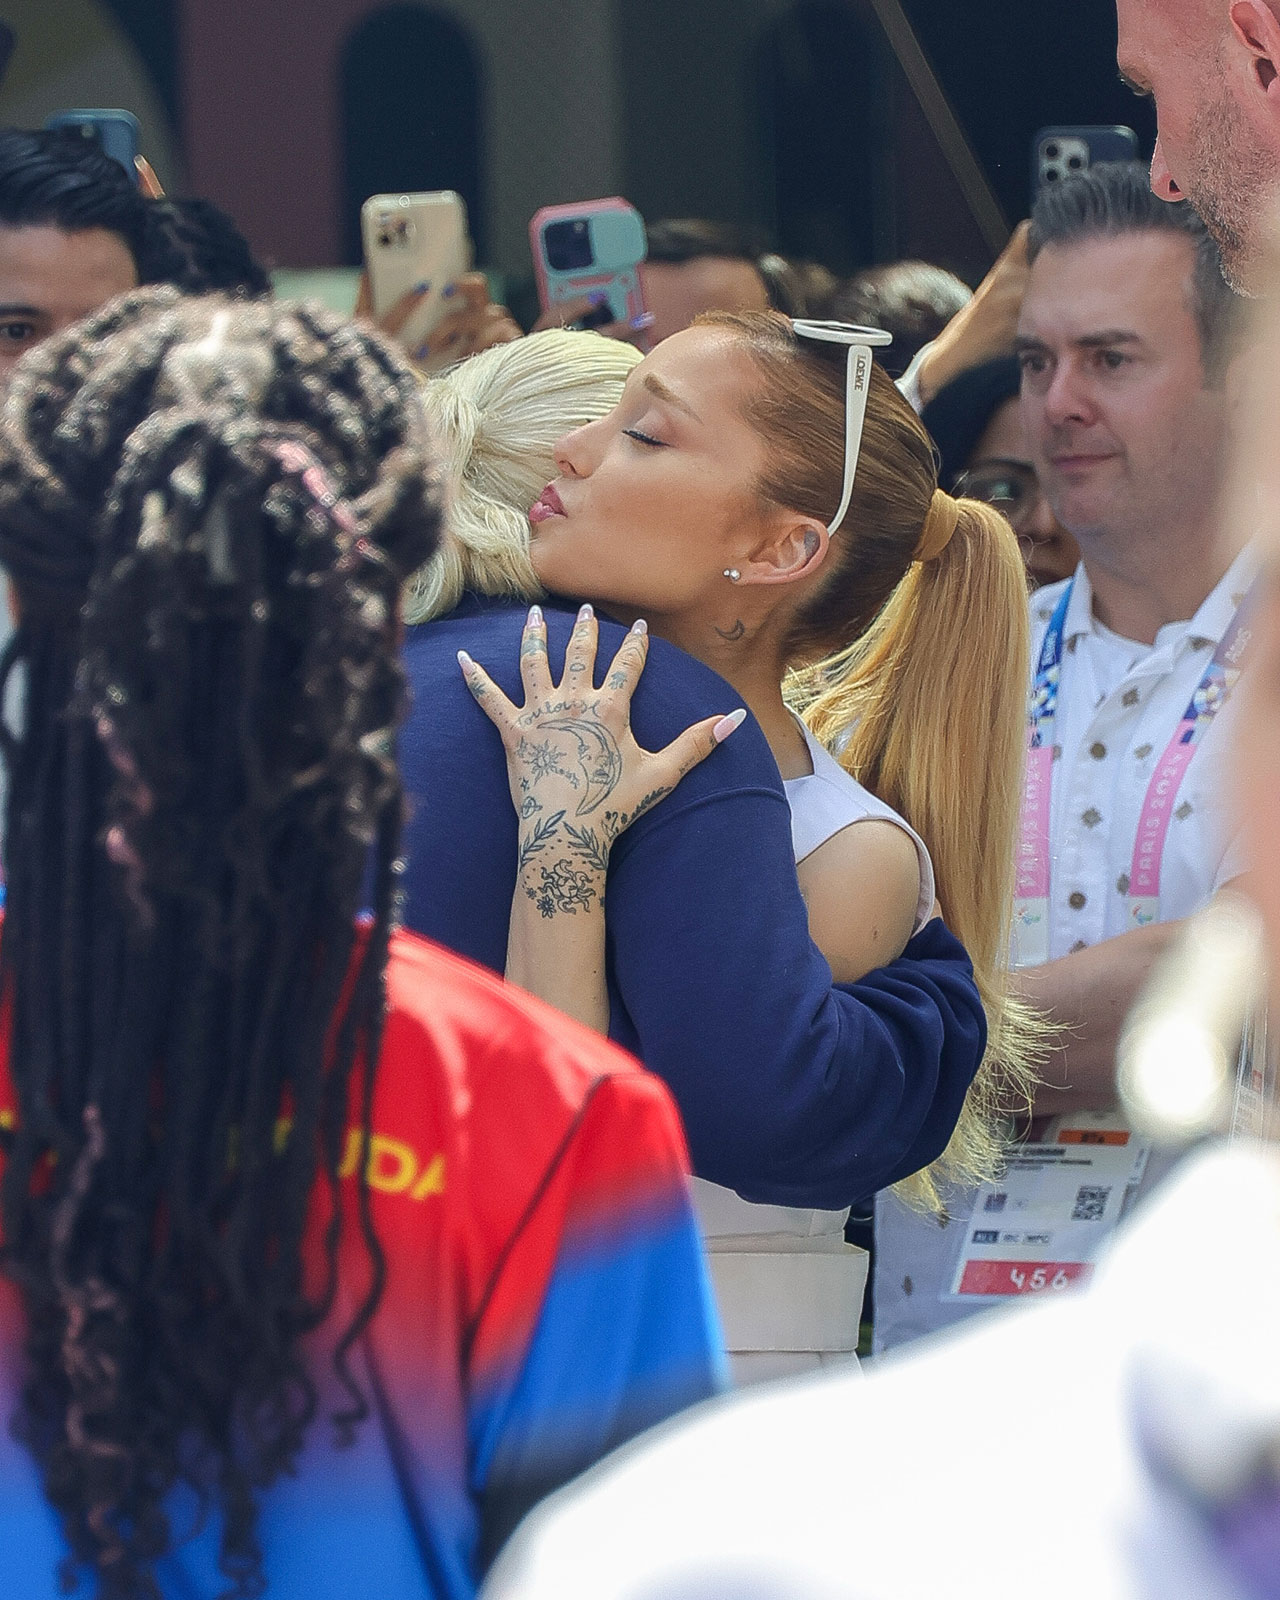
1256	25
795	549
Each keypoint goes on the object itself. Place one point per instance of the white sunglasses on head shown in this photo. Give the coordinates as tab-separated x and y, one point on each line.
860	343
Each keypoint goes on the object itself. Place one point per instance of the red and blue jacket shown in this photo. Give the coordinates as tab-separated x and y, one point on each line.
545	1301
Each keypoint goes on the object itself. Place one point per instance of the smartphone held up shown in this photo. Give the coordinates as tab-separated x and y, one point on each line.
415	243
1058	153
591	250
116	133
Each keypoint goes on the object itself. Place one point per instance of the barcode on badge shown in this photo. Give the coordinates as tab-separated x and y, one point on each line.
1091	1203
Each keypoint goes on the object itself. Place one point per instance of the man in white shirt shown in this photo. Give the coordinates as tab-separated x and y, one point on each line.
1126	337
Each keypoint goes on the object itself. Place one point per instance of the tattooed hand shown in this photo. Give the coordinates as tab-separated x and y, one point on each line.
578	778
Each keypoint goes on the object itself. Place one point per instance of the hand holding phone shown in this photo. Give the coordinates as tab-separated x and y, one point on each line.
474	324
984	328
416	249
587	259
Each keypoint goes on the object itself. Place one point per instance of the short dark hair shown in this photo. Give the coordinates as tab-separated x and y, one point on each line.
54	179
1114	198
912	300
675	240
196	246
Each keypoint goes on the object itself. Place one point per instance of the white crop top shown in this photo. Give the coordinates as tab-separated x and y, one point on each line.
829	800
821	805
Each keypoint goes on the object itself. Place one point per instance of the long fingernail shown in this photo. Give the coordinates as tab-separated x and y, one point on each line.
464	660
586	614
598	299
535	616
727	725
424	350
640	626
449	291
645	320
421	288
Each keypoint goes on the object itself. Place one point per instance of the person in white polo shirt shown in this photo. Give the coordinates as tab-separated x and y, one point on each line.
1126	338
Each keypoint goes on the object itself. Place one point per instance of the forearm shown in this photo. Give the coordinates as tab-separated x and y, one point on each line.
556	941
1088	995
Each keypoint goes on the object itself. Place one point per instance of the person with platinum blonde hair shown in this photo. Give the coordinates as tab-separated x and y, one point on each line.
497	418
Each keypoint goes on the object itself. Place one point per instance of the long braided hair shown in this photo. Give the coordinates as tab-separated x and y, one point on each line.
207	509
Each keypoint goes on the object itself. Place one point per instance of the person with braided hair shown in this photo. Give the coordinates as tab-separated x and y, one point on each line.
322	1253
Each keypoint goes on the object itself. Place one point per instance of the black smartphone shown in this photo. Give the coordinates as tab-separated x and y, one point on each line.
1058	153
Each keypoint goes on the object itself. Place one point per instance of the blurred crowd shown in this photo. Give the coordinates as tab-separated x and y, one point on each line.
563	860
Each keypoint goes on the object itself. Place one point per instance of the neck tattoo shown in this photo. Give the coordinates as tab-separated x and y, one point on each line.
732	635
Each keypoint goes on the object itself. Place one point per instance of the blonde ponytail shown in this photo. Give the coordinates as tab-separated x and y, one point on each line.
927	709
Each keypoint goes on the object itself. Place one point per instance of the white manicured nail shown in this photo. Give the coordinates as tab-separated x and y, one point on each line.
727	725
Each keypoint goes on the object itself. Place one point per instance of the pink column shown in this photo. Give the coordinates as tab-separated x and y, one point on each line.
261	118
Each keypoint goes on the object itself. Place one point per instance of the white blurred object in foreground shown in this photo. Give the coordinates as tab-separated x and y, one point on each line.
1096	1445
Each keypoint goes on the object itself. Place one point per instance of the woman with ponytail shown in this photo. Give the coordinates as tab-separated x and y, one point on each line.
297	1212
733	501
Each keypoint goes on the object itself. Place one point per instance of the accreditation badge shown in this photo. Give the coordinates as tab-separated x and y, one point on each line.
1039	1227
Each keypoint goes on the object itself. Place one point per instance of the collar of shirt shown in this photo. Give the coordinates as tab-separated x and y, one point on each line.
1204	629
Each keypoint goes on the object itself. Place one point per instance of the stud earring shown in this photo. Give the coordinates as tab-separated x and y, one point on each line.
732	574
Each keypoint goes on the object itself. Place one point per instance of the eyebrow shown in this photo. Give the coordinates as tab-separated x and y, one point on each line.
21	311
655	386
1090	341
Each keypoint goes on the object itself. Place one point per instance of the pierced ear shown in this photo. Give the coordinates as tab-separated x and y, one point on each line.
797	552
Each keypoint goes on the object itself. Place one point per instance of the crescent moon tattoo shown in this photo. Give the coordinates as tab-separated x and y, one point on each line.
598	757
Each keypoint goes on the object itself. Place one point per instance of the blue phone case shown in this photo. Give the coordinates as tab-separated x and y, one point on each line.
117	133
617	247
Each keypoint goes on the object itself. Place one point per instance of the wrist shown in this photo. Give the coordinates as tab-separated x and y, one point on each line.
560	883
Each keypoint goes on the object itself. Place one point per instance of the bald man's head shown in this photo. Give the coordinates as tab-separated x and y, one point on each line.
1213	67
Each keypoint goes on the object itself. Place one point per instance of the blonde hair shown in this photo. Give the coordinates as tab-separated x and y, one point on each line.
496	419
922	695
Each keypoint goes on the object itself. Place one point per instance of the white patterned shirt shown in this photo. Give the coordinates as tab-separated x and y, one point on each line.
1119	704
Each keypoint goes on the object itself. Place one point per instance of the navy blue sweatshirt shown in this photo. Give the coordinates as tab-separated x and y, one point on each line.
794	1090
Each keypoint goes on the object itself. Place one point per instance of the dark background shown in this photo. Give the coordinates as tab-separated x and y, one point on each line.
827	156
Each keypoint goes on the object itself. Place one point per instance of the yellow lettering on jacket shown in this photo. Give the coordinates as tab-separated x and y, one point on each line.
393	1166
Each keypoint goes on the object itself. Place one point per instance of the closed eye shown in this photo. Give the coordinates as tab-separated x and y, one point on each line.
645	438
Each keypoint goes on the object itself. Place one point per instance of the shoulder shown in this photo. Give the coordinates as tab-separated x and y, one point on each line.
862	887
675	690
870	851
491	1042
525	1105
